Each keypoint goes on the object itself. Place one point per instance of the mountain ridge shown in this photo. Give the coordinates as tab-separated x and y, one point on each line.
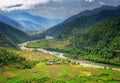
24	17
82	23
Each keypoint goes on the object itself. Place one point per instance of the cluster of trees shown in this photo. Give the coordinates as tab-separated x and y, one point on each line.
7	57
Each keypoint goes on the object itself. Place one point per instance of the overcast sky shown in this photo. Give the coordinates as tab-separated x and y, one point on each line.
60	9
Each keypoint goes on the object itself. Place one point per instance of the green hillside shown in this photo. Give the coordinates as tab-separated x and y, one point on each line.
101	43
5	42
104	36
14	34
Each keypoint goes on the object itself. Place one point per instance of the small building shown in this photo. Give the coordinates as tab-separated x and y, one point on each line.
59	62
49	63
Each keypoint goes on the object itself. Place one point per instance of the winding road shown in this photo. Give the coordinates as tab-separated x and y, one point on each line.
61	55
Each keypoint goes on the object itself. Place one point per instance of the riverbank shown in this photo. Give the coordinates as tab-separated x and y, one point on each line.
85	63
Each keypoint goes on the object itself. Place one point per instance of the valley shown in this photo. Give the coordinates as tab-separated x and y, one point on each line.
45	45
44	72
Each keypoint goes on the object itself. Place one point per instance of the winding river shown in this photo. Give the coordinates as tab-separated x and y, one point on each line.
61	55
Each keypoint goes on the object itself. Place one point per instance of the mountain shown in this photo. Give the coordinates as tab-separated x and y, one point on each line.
91	12
31	22
101	43
11	22
6	42
104	35
82	23
14	34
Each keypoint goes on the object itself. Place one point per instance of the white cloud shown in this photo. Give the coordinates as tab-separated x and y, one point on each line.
102	3
89	0
26	4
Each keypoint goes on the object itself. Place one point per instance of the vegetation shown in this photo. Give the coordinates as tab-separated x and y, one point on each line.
7	58
101	43
5	42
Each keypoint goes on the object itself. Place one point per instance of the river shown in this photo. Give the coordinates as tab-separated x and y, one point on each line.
61	55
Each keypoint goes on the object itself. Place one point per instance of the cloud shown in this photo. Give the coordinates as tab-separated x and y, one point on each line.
10	5
90	0
102	3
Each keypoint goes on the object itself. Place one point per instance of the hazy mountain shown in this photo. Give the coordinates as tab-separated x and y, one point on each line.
11	22
31	22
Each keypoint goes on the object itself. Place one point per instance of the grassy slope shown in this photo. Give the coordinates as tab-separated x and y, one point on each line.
32	56
58	73
68	73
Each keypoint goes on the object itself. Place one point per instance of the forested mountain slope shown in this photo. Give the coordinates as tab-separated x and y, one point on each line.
105	35
101	43
5	42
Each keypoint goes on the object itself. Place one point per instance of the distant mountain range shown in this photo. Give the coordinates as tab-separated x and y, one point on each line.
31	22
83	21
10	21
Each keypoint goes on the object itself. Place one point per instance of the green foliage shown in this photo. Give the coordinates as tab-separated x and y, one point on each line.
7	57
100	44
37	79
28	64
6	42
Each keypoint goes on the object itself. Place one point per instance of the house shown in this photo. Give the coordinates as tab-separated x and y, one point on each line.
49	63
59	62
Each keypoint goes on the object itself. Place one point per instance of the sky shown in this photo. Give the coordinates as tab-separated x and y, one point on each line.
56	9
